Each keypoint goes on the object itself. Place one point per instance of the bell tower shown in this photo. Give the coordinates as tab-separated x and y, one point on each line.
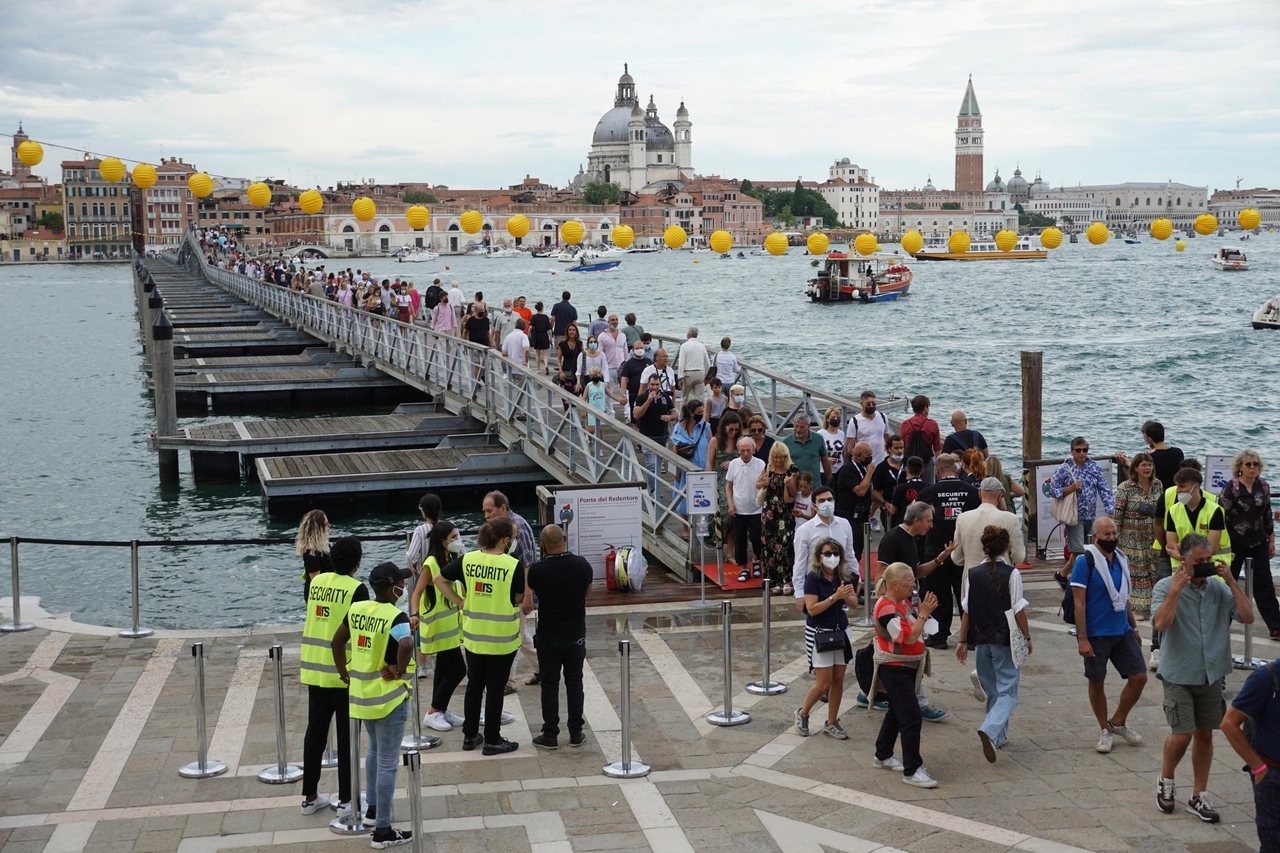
20	169
684	140
969	144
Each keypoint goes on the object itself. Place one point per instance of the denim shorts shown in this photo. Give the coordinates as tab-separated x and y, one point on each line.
1123	651
1076	534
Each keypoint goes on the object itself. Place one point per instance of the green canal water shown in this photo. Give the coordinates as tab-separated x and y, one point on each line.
1129	332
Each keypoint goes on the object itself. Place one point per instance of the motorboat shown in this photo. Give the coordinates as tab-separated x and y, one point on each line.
1230	259
572	256
1268	316
545	253
603	266
644	250
503	252
417	256
983	250
877	277
611	251
1131	241
399	251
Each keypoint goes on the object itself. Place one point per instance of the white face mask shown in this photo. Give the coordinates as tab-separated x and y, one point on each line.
455	546
511	549
738	398
826	509
831	561
1184	498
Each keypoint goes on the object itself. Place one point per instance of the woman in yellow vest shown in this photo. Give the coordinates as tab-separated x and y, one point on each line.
378	695
437	618
493	585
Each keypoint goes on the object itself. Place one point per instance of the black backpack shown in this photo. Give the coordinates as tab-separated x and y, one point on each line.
919	446
432	296
1068	598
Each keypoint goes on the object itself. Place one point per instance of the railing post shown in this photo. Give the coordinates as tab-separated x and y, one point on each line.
728	716
417	741
414	761
17	624
135	632
766	686
866	620
626	768
283	772
202	767
1247	660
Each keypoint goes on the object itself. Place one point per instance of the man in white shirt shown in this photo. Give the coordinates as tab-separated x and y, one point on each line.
970	524
516	347
693	361
870	426
740	495
726	364
455	302
666	376
825	523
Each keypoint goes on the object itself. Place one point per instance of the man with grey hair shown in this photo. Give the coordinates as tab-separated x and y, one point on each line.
740	497
969	528
899	544
667	381
1193	610
693	363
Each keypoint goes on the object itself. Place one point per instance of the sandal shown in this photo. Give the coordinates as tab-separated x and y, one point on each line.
745	576
535	679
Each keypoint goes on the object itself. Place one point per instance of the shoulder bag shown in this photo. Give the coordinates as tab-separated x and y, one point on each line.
711	371
1064	509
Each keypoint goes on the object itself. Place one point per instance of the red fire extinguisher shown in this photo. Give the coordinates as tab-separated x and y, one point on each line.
610	573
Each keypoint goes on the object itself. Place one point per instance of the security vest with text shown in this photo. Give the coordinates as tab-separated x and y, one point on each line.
439	623
370	696
328	599
490	622
1177	518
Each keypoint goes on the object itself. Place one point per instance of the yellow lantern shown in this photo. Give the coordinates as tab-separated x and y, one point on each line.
721	241
865	244
259	194
1250	219
200	185
111	169
30	153
144	176
1098	233
674	237
958	243
1206	224
418	217
776	243
310	201
518	225
1161	229
1006	240
1180	246
1051	238
818	243
364	209
912	242
624	236
471	221
571	232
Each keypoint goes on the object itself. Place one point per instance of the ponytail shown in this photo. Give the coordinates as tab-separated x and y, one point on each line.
892	572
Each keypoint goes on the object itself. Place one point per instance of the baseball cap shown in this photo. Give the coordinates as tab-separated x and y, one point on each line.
388	574
991	484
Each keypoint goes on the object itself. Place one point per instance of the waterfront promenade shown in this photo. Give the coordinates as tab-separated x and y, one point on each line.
95	727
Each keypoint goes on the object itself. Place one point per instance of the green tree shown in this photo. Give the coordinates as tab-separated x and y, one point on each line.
914	205
1067	220
951	205
600	193
786	217
418	197
1036	220
50	219
747	189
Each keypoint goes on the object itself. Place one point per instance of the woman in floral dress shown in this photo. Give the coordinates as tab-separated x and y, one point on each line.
1137	500
778	524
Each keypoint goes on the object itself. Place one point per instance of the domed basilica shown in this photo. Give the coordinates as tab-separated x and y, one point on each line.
633	148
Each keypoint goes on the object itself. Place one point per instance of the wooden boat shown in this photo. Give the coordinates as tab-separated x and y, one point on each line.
600	267
984	250
870	278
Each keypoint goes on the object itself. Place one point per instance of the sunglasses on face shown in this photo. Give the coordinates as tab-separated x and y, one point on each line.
830	554
757	430
1253	464
1080	450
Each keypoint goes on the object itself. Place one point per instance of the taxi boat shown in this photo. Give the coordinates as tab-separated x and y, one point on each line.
843	277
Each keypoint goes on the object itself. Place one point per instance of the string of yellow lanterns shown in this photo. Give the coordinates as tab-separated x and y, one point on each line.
959	242
1206	224
259	194
364	209
865	244
311	202
1051	238
1006	240
471	221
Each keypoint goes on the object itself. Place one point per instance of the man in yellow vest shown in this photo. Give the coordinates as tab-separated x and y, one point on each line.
329	596
381	664
1193	511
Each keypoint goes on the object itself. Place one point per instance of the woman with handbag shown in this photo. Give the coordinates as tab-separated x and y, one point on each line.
1137	505
998	611
828	590
690	440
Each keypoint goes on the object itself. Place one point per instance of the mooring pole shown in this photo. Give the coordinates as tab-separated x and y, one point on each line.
1032	410
165	394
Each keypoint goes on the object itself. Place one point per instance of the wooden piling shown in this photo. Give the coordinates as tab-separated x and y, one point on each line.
155	306
165	394
1032	400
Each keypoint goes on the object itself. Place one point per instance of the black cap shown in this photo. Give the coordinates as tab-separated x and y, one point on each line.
388	574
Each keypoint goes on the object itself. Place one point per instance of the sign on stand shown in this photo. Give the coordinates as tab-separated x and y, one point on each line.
597	521
701	492
1049	528
1217	473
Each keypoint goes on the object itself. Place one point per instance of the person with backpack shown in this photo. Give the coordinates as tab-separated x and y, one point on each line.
1252	727
870	426
922	437
962	438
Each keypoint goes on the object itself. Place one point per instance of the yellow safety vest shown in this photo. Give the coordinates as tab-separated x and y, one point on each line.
439	626
370	697
490	622
1180	520
328	599
1170	497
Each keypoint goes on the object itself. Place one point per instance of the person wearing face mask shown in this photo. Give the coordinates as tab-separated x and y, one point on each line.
884	481
502	323
853	491
378	692
493	583
738	402
833	437
870	426
591	359
828	593
630	373
825	524
436	619
1193	511
496	505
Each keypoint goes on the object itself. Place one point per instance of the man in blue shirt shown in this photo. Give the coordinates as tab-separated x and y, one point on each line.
562	315
1259	702
1107	631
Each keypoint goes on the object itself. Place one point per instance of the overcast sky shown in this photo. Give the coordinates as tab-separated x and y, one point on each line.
480	94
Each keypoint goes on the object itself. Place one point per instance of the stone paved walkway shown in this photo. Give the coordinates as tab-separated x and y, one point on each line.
94	728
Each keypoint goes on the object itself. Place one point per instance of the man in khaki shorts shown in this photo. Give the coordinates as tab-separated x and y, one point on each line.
1194	609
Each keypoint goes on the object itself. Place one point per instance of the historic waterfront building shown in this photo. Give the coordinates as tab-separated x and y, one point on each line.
1227	204
633	148
99	220
166	209
969	143
1131	206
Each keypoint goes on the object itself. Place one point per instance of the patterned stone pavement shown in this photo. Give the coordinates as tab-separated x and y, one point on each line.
94	727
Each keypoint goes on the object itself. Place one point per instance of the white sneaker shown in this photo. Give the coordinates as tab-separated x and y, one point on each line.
978	692
315	805
1126	734
507	718
437	722
1104	742
452	718
890	763
920	779
343	809
1153	663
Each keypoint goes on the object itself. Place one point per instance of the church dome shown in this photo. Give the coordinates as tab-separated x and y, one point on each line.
1017	184
928	185
657	135
612	127
996	185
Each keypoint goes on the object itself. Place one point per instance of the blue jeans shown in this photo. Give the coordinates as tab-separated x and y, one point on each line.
653	465
383	760
1075	537
1266	809
999	679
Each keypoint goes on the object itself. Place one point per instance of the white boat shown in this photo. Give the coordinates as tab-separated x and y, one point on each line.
1230	259
611	252
417	256
503	252
983	250
1268	316
571	256
644	250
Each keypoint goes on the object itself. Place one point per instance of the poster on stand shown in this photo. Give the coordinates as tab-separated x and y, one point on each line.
600	521
702	492
1050	534
1217	473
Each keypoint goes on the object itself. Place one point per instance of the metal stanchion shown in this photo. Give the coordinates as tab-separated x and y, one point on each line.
765	686
728	716
135	632
17	624
702	559
202	767
352	823
720	560
330	756
866	620
417	740
283	772
1247	660
626	768
413	761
